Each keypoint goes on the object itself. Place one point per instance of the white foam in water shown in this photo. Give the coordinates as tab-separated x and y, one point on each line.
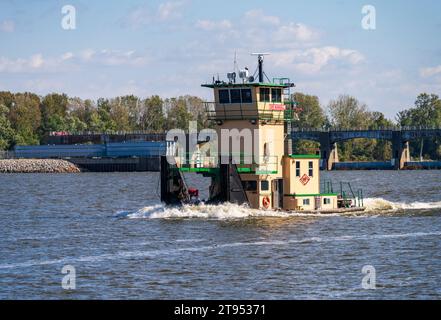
230	211
218	212
380	204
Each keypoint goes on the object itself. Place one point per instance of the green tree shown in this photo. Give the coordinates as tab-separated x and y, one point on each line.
311	115
53	113
178	116
425	113
347	112
120	114
6	130
152	117
25	118
104	121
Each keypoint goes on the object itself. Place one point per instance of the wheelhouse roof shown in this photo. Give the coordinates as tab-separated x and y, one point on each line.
241	85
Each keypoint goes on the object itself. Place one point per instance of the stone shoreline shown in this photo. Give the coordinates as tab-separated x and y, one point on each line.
37	166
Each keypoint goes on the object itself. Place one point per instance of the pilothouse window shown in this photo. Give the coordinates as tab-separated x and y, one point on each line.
235	95
276	95
246	96
224	96
264	94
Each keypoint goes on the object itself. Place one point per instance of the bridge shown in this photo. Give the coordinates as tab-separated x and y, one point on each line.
399	137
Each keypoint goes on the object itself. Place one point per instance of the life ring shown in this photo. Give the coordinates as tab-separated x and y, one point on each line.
266	202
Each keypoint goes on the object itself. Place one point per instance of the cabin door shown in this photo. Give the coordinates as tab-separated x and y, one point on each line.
318	203
277	186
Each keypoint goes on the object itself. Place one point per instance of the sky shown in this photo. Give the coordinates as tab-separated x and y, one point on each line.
170	48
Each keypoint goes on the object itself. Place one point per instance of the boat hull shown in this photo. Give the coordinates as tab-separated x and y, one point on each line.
332	211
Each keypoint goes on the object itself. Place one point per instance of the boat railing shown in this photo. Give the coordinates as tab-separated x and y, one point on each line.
349	196
246	163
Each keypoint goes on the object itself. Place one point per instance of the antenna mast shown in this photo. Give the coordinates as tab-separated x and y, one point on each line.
260	63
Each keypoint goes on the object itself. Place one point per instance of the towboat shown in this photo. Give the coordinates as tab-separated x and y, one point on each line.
248	153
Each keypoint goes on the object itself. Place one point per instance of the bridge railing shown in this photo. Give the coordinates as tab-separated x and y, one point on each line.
342	129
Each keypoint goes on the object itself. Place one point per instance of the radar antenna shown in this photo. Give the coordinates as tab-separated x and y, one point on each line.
260	57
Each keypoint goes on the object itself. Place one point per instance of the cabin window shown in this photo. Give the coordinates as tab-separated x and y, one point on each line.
298	169
224	96
265	95
326	201
311	169
264	185
235	95
246	96
306	202
276	95
249	185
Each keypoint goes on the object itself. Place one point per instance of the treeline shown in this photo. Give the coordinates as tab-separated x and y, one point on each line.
25	118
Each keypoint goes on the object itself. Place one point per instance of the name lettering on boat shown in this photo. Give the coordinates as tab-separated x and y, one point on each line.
277	107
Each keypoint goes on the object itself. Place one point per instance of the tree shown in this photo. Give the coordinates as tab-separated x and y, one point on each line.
120	113
178	116
104	122
53	113
310	116
6	130
425	113
152	118
24	116
348	113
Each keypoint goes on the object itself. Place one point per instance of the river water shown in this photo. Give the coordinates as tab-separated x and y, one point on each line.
123	244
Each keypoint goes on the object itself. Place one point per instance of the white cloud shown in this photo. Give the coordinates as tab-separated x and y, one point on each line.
21	65
7	26
431	71
87	54
258	31
137	17
314	60
38	62
67	56
209	25
119	58
295	32
256	16
147	15
170	10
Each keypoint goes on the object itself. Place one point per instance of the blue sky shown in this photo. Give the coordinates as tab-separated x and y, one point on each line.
171	47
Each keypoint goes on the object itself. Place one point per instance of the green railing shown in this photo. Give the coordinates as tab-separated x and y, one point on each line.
349	194
327	186
346	192
245	163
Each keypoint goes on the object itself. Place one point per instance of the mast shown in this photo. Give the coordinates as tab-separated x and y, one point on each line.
260	64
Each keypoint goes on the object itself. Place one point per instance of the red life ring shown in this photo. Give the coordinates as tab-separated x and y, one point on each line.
266	202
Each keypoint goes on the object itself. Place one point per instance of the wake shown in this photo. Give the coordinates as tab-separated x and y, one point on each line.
229	211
